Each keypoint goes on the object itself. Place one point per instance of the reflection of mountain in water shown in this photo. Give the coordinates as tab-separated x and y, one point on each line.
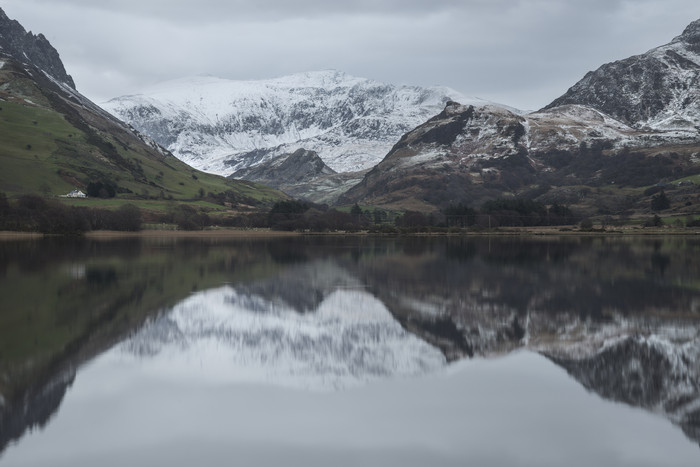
660	373
620	316
36	408
233	335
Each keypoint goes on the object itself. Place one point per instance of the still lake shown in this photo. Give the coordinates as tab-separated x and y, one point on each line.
355	350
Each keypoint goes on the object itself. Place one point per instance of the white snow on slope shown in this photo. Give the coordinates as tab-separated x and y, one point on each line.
214	124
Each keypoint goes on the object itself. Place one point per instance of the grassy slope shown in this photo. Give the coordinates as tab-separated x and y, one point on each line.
49	145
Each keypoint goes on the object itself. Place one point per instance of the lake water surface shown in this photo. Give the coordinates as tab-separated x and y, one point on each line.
350	351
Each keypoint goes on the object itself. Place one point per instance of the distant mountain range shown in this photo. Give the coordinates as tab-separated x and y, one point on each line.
222	126
430	148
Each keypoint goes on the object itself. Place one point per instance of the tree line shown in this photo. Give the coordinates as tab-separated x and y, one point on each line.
298	215
33	213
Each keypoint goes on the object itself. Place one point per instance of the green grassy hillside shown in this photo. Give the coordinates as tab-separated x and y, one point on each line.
53	141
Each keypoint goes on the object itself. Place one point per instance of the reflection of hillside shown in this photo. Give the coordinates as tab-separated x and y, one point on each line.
495	291
65	301
566	298
35	409
622	317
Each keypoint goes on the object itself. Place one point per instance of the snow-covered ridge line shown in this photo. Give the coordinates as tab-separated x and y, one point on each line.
221	125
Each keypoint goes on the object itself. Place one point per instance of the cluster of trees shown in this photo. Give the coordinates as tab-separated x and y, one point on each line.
36	214
297	215
187	218
33	213
101	189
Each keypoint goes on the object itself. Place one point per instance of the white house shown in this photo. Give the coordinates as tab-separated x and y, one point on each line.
75	194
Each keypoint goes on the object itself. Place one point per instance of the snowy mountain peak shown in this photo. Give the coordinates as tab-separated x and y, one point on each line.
321	78
222	125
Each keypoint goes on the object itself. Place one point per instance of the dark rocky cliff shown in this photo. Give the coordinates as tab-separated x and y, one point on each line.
26	47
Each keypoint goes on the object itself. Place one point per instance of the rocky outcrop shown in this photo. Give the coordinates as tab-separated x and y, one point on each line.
26	47
303	175
300	167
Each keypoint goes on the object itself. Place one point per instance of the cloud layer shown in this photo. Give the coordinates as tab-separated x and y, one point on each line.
522	53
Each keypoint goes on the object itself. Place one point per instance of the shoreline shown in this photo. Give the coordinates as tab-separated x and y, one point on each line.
263	233
153	233
216	233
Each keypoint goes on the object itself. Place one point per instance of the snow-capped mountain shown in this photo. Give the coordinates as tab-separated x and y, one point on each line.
220	125
659	89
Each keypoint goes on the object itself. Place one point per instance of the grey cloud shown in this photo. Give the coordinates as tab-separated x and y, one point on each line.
523	53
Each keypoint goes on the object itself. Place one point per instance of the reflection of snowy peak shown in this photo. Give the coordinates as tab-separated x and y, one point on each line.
351	338
220	125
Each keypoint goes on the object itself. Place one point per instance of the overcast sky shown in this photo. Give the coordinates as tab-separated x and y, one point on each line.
522	53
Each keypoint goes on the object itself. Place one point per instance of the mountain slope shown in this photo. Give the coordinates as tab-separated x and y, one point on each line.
222	126
54	140
302	174
659	89
471	154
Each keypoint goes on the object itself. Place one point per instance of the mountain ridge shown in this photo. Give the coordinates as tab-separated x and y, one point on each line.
631	123
350	122
470	154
